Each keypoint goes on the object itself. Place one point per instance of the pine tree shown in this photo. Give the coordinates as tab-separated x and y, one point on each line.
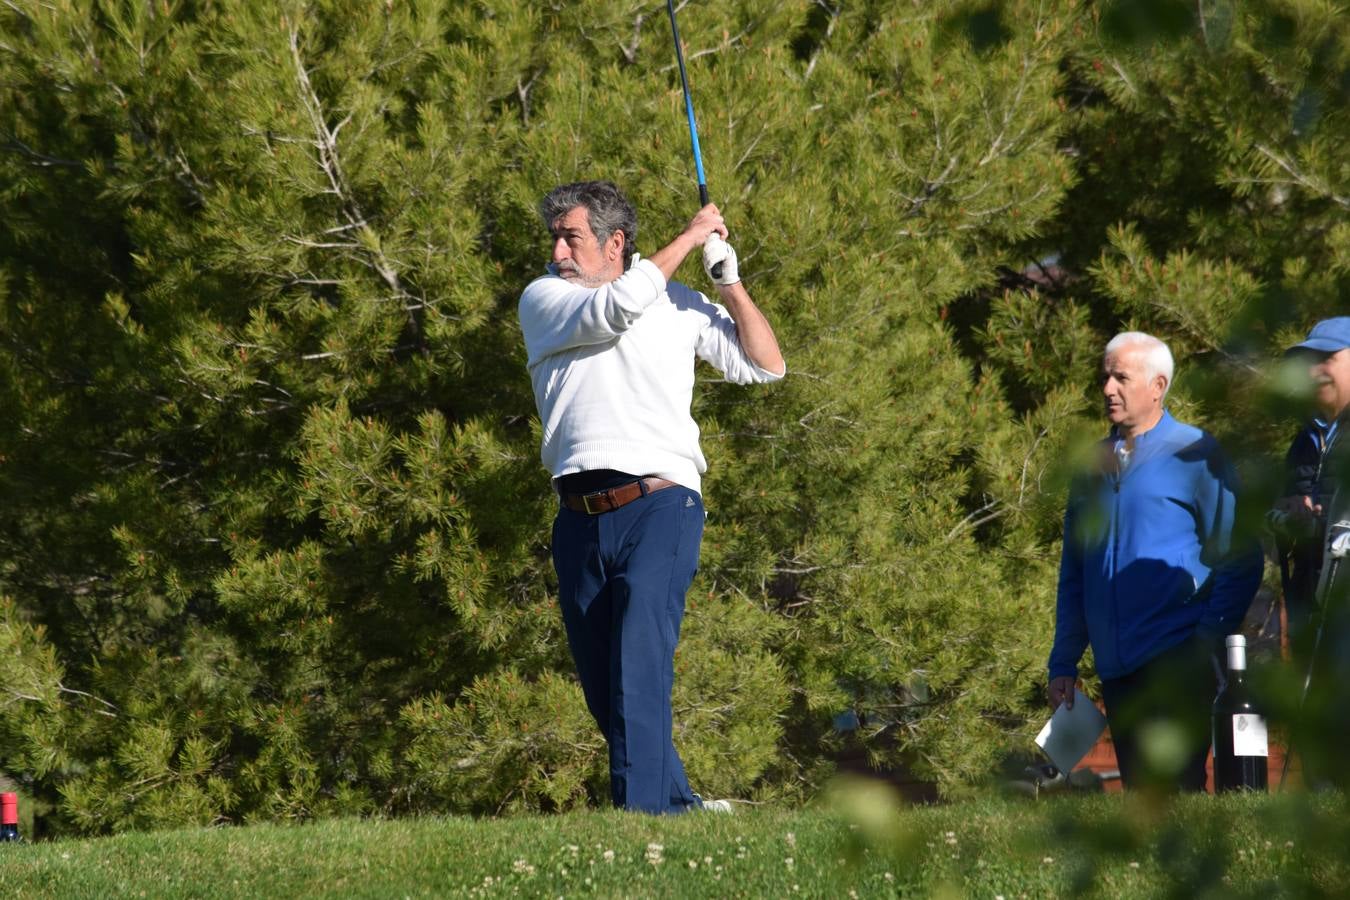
274	543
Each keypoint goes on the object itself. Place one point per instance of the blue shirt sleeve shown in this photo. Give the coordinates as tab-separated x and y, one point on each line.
1071	633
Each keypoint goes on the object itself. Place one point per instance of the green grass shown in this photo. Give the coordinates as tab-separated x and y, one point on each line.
1071	846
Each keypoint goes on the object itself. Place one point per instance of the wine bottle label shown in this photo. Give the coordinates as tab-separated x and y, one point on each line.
1249	736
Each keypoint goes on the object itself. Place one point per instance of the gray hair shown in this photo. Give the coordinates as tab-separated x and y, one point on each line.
607	210
1157	358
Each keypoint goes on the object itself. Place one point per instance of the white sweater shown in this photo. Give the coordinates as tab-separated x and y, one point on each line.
613	371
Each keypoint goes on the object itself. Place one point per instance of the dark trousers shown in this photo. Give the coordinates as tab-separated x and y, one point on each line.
622	577
1160	717
1320	731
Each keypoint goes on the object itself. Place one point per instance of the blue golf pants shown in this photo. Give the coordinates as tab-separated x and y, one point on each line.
622	576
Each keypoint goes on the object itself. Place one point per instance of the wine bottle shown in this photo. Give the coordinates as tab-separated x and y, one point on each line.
1240	746
9	817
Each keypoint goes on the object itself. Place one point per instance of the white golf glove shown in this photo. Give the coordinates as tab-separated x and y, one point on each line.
716	250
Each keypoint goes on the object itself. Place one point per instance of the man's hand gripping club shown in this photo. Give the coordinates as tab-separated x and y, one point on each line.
719	261
753	330
706	224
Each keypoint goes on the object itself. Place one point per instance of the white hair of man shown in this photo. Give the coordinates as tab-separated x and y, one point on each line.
1157	358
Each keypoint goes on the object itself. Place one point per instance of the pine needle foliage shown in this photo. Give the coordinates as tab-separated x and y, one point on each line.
274	538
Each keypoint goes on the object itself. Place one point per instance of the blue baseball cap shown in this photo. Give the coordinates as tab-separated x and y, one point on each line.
1327	336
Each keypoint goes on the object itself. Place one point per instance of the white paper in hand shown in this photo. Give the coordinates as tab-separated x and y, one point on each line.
1070	733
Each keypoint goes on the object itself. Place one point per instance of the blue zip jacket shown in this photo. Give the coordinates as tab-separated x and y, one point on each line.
1149	559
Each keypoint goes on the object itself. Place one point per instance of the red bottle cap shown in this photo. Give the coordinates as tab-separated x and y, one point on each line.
9	806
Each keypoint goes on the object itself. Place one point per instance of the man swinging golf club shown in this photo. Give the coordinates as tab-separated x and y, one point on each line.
611	345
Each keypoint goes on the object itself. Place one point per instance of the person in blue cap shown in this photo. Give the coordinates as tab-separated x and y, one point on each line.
1298	518
1311	524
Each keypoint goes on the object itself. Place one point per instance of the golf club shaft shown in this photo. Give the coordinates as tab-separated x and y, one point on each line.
688	106
689	114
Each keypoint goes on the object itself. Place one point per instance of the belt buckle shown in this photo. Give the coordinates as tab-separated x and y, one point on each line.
598	496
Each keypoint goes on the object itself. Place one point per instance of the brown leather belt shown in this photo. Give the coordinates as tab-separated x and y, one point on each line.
611	499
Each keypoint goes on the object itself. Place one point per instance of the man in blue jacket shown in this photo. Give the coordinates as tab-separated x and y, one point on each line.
1151	576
